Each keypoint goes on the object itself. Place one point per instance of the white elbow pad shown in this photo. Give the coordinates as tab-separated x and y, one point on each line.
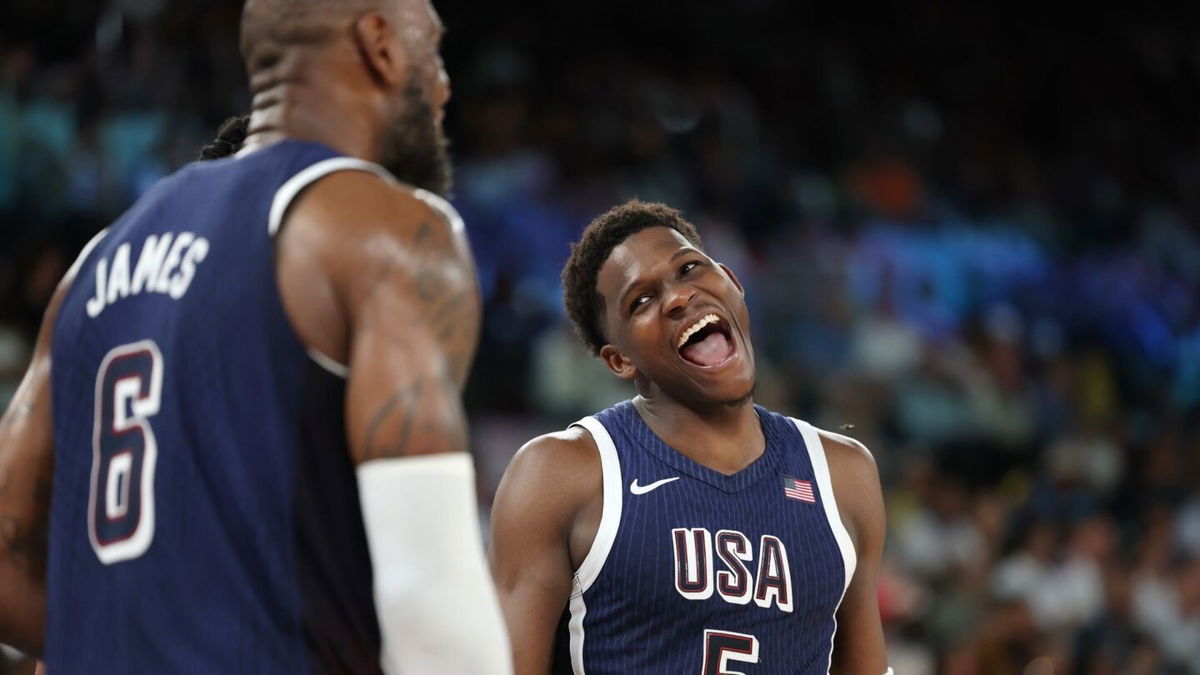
437	608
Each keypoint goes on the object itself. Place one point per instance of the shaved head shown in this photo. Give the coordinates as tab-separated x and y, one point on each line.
345	66
269	26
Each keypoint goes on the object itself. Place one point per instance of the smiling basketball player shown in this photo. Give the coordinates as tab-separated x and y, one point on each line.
687	530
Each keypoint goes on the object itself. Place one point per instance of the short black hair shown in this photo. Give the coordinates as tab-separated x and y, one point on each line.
585	305
229	138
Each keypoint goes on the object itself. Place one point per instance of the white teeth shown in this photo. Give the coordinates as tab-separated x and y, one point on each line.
700	323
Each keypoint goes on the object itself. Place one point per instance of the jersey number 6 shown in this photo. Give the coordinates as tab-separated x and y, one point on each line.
121	501
722	646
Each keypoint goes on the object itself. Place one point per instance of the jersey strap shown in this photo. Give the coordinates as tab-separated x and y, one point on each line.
816	452
606	534
288	192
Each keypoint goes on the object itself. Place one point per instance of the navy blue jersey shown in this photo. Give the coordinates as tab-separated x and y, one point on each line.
694	571
205	514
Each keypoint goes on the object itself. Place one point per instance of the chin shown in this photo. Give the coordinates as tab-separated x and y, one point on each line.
738	401
730	393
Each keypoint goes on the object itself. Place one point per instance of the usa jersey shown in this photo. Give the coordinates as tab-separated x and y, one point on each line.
205	514
695	571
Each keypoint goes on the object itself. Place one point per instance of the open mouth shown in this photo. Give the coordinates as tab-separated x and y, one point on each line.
706	343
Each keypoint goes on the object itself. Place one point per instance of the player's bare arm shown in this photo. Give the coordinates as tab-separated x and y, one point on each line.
378	277
396	302
26	472
859	645
544	519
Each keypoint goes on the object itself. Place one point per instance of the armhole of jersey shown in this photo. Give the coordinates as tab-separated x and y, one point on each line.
288	192
283	199
816	453
610	516
441	206
606	534
83	255
72	276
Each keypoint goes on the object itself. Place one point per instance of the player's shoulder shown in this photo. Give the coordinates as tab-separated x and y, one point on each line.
855	478
50	317
363	227
559	453
554	475
849	454
842	452
370	202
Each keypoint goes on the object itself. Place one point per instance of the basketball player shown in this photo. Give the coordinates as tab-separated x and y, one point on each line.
246	392
687	530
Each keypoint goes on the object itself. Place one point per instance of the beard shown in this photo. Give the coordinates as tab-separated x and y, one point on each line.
415	149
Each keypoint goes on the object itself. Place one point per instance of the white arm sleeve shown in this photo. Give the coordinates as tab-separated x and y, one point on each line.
438	610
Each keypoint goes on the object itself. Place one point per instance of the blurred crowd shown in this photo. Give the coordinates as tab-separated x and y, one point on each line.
968	240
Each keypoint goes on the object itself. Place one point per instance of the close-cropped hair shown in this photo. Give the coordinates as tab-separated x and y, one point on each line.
584	304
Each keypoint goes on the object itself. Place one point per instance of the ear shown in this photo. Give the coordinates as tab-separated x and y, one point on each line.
732	277
375	38
617	363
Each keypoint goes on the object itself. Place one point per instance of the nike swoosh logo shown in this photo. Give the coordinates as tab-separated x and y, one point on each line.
643	489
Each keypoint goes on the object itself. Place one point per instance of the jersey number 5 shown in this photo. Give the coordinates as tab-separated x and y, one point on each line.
722	646
121	501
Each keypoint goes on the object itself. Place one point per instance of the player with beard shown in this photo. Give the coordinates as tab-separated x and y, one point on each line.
241	433
687	530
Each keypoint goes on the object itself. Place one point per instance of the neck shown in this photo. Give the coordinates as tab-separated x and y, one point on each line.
725	438
308	101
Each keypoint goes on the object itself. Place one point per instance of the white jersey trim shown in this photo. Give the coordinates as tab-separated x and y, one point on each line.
816	453
575	626
288	192
330	365
83	255
606	534
610	517
443	207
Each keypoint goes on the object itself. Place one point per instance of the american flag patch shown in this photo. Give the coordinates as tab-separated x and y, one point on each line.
800	490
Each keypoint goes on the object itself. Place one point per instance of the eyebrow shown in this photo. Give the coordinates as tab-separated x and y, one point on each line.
634	285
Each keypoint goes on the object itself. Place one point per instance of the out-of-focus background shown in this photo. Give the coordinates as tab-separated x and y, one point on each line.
970	233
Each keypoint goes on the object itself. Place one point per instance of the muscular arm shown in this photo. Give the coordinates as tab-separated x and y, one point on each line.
859	645
541	530
26	472
382	281
414	316
376	278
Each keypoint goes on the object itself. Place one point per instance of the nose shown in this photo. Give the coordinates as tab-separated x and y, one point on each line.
676	299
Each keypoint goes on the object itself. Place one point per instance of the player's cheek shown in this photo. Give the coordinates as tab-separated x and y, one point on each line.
647	335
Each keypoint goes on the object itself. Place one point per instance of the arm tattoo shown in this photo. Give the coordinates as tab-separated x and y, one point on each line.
415	421
451	305
401	406
442	288
423	414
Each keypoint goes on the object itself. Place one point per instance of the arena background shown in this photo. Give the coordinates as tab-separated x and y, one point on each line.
971	234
